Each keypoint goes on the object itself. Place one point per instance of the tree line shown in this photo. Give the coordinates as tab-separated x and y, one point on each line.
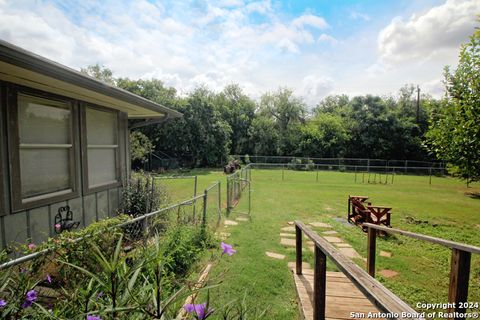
279	123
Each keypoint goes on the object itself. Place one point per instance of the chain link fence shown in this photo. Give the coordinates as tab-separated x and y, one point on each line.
202	210
352	164
236	183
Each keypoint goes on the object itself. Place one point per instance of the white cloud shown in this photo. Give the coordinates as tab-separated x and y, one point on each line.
314	88
435	88
359	15
327	38
310	20
434	33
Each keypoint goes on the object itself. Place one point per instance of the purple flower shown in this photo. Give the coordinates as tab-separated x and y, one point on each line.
199	310
100	294
227	249
48	278
89	317
58	226
3	303
31	295
32	246
27	304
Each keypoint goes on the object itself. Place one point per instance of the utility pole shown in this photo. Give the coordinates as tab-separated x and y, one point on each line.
418	103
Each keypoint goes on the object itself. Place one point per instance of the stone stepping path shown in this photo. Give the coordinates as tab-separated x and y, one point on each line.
243	219
333	239
343	245
230	223
292	265
287	242
349	252
330	232
288	229
290	223
288	235
385	254
320	225
275	255
223	235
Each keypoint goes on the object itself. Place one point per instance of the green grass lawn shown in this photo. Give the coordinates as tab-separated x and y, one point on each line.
443	209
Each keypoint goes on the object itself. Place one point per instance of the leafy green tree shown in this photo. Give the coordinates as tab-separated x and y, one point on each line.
264	136
324	136
238	110
152	89
99	72
454	133
288	112
140	146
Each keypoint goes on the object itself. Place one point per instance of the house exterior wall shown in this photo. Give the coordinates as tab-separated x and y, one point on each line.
37	224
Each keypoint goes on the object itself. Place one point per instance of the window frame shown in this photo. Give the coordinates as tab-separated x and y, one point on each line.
18	202
84	148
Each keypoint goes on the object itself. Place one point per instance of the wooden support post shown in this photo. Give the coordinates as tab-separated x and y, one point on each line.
219	201
317	173
298	248
319	284
372	240
459	276
355	174
283	174
430	176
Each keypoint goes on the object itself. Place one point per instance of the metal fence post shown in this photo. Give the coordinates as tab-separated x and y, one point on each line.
219	201
205	198
194	195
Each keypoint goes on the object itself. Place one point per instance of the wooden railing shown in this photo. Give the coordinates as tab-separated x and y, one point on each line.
380	296
459	265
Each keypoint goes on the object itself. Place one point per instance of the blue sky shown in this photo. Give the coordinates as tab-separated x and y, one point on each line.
316	48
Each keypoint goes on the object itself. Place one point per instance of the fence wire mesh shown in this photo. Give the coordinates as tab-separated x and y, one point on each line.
349	164
236	183
202	211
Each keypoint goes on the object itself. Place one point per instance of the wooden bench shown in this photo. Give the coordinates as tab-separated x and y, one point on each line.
360	211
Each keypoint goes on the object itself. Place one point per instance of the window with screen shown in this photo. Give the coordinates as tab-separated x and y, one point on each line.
102	152
44	164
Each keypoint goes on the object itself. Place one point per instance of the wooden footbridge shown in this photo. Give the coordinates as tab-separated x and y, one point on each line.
354	293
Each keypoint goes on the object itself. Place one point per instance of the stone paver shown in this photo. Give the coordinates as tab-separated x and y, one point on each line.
330	232
388	273
333	239
292	265
230	223
349	252
288	242
385	254
242	219
223	235
288	235
343	245
288	229
320	225
291	223
275	255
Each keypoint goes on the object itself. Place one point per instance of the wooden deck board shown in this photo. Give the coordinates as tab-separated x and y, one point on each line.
342	296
